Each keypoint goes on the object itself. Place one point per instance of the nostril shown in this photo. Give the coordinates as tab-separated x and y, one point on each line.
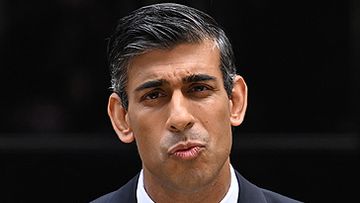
189	125
178	128
174	129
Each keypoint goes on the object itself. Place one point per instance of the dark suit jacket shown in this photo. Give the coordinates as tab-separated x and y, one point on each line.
248	193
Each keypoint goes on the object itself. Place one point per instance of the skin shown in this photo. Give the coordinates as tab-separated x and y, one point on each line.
177	96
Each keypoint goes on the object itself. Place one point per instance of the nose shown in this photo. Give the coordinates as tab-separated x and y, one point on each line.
180	117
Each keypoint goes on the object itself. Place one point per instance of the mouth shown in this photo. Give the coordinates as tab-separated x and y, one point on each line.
186	151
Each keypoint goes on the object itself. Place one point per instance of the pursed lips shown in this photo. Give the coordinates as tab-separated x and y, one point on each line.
186	150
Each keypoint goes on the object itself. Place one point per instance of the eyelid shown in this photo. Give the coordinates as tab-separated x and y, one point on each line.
152	91
209	87
206	90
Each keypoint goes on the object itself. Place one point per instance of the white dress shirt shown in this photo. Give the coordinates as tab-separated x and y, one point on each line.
230	197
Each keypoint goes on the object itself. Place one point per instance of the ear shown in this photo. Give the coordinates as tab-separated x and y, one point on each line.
238	101
119	119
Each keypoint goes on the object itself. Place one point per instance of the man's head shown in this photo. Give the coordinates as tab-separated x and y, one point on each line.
180	98
162	26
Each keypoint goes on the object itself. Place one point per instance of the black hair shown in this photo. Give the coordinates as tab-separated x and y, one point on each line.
163	26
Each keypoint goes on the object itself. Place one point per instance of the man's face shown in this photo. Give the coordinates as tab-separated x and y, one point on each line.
179	115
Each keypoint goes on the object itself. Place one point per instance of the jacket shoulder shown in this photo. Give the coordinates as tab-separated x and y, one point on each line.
125	194
249	193
273	197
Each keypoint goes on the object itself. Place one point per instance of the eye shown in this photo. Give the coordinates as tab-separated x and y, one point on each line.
198	88
153	95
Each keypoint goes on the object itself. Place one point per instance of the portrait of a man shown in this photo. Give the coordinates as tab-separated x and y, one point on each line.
176	94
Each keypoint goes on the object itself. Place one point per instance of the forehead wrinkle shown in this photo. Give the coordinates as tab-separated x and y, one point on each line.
172	77
175	78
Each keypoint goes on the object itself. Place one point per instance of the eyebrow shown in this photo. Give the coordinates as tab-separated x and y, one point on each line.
151	84
188	79
198	78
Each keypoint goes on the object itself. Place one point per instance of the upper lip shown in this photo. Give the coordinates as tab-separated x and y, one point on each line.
184	146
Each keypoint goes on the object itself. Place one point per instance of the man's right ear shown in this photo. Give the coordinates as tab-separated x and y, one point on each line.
119	119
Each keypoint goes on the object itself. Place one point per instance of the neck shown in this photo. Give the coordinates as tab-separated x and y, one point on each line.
213	191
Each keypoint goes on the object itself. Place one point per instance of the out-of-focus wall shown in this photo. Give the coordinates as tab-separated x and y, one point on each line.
300	60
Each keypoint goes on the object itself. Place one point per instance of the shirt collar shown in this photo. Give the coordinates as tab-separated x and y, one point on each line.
141	194
230	197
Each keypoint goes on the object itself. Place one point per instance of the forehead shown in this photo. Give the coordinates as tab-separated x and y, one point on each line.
176	63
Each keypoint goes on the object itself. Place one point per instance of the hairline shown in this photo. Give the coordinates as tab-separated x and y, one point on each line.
213	41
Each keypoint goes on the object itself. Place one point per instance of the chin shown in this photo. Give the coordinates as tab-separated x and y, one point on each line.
194	179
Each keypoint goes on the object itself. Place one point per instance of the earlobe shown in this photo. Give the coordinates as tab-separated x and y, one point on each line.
119	119
238	101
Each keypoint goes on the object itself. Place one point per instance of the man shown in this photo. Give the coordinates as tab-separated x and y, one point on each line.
177	95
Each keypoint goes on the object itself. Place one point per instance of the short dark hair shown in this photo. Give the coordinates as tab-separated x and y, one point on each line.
163	26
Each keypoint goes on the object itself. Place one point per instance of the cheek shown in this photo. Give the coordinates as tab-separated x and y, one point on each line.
147	133
217	122
215	114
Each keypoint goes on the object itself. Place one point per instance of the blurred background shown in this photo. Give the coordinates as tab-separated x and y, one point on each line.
300	59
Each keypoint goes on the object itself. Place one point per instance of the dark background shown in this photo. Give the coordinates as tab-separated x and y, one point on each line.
300	60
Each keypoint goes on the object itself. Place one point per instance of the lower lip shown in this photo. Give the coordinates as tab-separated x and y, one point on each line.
188	154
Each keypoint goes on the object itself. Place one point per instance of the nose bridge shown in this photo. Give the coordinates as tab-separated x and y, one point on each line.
180	117
177	102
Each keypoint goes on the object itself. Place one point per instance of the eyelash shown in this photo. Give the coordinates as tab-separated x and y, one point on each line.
196	90
157	93
203	88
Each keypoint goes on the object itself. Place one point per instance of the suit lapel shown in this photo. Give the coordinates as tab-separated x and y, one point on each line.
248	192
127	193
